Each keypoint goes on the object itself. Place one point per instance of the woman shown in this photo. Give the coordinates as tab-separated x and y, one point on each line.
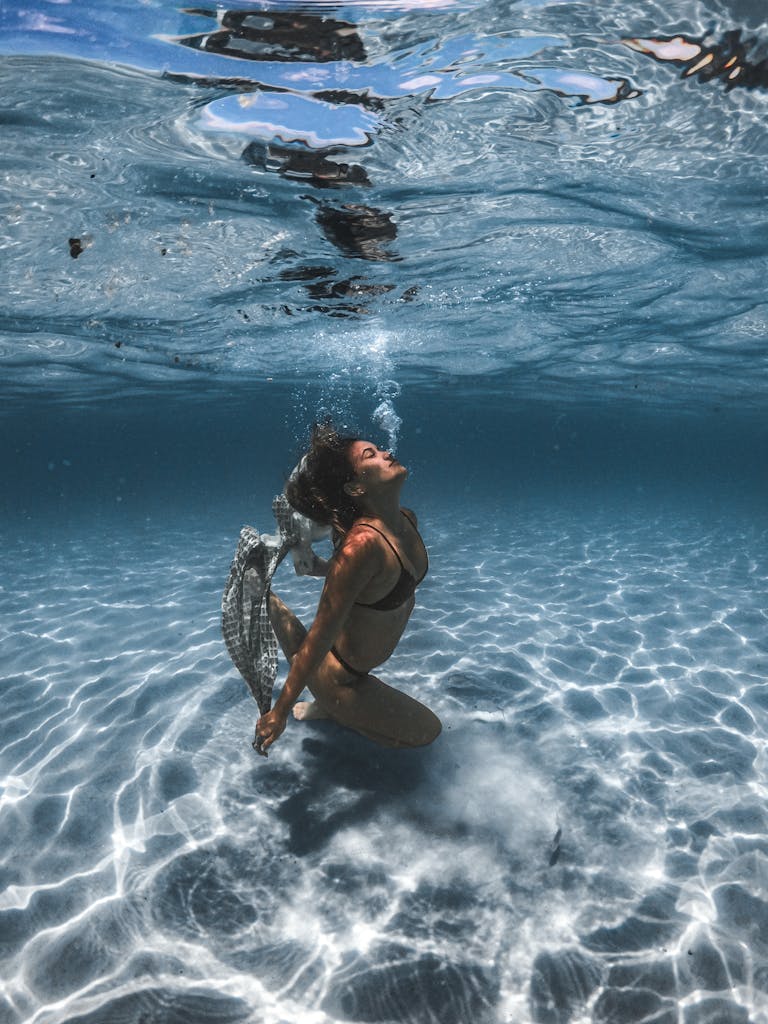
379	560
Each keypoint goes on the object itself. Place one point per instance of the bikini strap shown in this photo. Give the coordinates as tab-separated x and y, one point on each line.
408	516
386	538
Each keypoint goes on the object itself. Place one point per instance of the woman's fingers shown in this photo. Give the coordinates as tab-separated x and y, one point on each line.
266	739
269	727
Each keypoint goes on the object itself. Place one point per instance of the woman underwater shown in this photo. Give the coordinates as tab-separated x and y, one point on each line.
379	560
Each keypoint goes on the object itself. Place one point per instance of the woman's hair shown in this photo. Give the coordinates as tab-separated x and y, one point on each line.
316	487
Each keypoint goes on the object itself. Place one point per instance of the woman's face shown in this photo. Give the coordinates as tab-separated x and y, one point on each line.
374	467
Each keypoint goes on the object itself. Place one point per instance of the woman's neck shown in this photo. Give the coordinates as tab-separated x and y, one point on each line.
385	507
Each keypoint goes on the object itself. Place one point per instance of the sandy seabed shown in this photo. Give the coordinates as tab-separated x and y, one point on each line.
586	842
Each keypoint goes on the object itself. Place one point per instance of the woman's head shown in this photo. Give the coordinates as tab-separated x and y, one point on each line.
317	489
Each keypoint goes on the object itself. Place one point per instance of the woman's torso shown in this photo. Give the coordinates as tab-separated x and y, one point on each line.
382	609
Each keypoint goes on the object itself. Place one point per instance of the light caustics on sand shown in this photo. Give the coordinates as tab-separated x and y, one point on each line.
595	814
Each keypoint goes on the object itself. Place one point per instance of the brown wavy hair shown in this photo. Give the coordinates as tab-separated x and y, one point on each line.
316	489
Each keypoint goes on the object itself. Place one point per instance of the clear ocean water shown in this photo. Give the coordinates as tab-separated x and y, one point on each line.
525	243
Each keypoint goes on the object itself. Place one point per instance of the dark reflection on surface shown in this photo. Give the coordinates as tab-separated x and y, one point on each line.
358	230
352	287
322	287
303	125
269	35
310	166
731	59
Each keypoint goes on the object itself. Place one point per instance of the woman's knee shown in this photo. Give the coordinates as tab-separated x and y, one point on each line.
429	730
376	710
417	730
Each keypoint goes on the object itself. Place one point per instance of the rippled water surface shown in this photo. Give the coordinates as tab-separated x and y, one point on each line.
552	194
526	244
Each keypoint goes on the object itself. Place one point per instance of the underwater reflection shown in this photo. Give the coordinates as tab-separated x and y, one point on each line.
304	120
730	59
321	285
308	166
357	230
282	36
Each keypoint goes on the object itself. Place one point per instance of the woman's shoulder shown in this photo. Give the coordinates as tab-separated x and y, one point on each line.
358	558
360	541
410	514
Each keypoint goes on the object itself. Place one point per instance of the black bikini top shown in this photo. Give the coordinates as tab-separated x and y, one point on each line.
405	585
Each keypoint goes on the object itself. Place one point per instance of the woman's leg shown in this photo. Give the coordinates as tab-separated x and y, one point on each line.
370	707
289	630
290	633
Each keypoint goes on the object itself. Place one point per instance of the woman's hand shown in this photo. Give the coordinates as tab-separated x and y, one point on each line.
307	563
269	727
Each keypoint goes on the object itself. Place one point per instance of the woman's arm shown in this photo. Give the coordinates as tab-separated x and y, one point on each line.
349	572
305	561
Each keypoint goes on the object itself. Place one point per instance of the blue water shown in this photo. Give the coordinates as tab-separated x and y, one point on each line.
524	243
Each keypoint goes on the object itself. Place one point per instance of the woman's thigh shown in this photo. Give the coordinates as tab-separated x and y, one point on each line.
371	707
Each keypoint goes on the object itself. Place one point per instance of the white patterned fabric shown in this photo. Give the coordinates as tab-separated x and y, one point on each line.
245	624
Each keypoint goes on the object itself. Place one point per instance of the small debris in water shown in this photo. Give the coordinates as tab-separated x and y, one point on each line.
554	855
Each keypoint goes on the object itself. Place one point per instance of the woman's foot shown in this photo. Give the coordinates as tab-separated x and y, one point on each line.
308	711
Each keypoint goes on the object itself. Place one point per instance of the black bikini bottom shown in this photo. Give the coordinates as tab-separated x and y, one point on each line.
346	666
